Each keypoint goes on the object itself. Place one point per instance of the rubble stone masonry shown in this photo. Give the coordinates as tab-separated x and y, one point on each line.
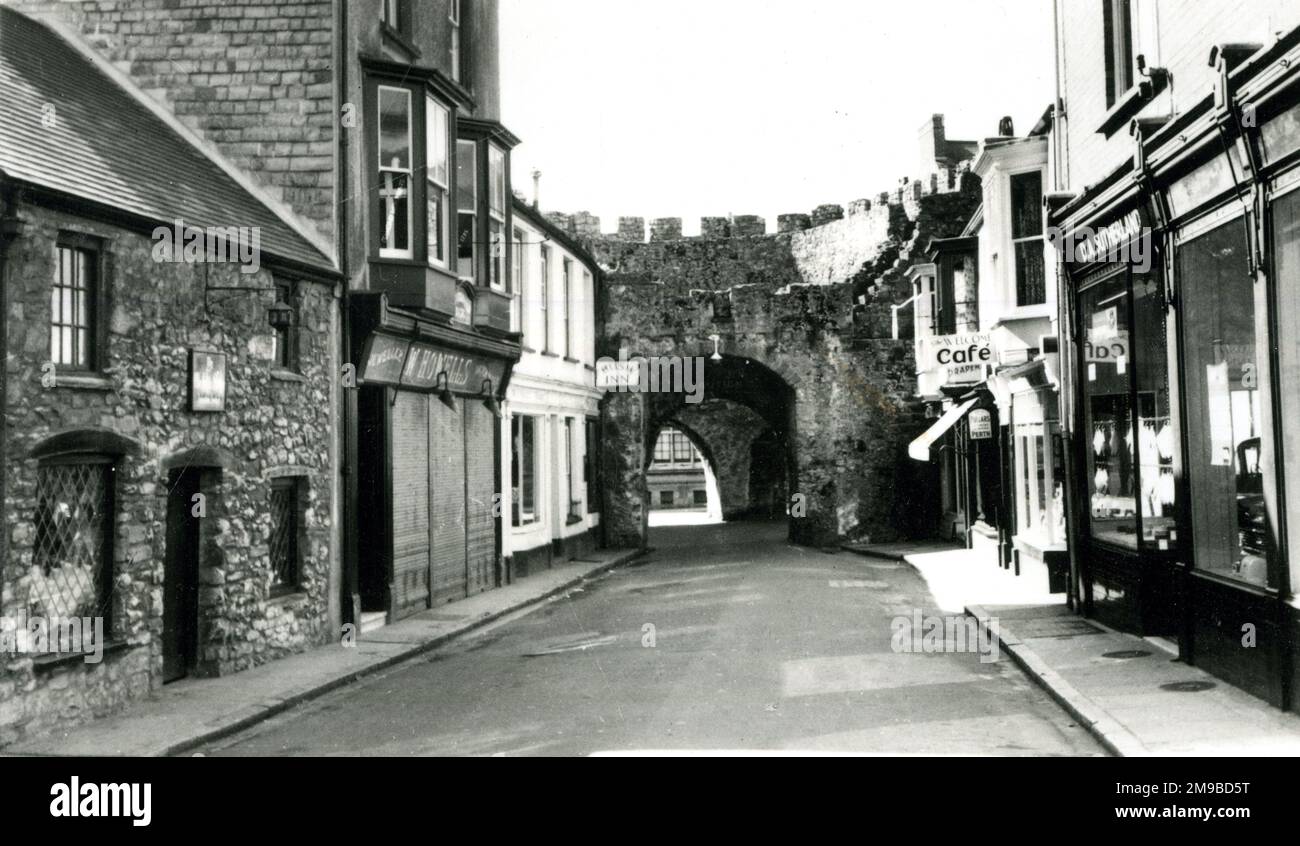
276	423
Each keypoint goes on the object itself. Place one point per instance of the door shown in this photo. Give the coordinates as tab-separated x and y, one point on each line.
181	574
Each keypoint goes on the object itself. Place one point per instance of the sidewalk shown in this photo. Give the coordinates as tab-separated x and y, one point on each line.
1132	693
189	713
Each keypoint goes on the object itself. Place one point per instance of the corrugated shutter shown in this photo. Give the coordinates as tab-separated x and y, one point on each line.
447	483
410	461
480	484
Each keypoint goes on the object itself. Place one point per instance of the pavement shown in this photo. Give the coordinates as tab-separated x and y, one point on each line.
725	638
189	713
1131	693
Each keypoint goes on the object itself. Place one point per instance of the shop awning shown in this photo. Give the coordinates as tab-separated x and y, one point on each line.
920	448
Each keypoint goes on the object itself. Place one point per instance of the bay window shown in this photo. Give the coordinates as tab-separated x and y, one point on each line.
438	180
395	172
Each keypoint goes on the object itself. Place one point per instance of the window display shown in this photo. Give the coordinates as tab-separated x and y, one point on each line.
1226	460
1108	412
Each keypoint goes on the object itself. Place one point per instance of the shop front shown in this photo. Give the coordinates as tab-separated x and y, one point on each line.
428	403
1186	445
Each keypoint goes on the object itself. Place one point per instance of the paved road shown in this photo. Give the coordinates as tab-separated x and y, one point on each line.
757	645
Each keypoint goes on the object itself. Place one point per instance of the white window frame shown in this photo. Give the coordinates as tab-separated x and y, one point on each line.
453	15
519	280
389	252
435	191
496	172
472	276
566	291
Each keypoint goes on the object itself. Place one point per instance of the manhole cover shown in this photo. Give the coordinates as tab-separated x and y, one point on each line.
1126	653
1188	686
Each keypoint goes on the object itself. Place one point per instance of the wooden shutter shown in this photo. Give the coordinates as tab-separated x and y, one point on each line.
480	485
410	463
447	483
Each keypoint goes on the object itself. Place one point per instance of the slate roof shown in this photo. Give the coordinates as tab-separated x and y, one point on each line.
107	147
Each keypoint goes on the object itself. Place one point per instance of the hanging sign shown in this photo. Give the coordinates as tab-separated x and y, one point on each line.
980	424
207	381
958	359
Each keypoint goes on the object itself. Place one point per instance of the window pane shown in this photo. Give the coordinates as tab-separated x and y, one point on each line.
1156	439
70	575
1026	205
528	492
466	176
394	128
496	238
437	141
497	179
436	224
1031	279
1286	239
1108	413
394	195
1226	461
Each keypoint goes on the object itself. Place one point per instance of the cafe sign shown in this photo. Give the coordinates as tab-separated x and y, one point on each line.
420	367
958	359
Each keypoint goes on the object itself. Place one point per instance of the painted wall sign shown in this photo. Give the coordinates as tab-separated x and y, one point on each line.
980	424
207	381
416	365
1107	240
383	359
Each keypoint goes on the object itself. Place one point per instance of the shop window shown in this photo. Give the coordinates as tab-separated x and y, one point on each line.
1157	441
284	544
1117	18
437	142
570	491
74	305
1228	450
467	209
72	572
523	468
1108	413
395	172
665	497
496	216
1286	242
1040	494
1027	238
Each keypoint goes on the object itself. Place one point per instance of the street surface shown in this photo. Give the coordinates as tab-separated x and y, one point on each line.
725	637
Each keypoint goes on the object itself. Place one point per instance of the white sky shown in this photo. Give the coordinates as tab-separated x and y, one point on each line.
684	108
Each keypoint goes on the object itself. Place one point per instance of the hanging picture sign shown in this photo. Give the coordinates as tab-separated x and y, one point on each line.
207	381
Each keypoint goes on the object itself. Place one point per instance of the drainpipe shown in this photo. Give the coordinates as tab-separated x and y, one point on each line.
10	229
349	603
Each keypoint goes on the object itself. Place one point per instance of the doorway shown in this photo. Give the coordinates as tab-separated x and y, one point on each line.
185	510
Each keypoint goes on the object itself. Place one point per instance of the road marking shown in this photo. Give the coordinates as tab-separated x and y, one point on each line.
857	583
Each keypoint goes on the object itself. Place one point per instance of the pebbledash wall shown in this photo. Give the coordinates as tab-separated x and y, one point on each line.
804	311
275	423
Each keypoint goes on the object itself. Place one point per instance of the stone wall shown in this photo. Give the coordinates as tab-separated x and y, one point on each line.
808	310
729	429
252	77
275	423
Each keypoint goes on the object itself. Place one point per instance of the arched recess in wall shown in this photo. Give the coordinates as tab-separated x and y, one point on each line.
742	380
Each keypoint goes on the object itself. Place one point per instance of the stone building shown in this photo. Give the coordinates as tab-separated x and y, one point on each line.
170	332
